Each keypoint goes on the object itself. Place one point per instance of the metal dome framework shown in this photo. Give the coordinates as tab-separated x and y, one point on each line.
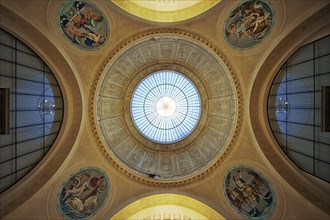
165	107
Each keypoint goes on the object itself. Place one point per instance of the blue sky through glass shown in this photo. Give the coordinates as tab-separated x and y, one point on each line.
165	107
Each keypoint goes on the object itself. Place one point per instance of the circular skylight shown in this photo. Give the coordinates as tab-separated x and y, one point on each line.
165	107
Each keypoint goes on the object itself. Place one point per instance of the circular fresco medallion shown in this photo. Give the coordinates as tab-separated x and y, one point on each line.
248	24
83	24
249	193
83	193
165	106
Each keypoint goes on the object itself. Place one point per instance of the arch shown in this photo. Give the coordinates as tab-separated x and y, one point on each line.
165	11
299	180
167	206
293	108
33	37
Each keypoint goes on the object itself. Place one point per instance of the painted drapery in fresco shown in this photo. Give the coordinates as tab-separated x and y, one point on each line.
249	193
83	24
248	24
83	193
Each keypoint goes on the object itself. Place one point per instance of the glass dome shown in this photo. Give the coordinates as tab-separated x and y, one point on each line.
165	107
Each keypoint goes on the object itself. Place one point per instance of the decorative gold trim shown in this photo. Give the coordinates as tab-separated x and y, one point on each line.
239	103
166	16
167	199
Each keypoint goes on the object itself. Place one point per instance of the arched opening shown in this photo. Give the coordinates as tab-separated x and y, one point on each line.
72	114
167	207
165	11
258	100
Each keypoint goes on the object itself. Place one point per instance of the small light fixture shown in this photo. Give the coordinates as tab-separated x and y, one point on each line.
281	105
46	107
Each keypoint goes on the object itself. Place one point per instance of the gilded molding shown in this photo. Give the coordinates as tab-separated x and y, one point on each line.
217	160
180	14
167	199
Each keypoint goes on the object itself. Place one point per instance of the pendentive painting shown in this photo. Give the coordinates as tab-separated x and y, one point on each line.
83	193
83	24
248	24
249	193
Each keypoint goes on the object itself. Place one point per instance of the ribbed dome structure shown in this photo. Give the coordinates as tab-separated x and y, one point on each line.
165	107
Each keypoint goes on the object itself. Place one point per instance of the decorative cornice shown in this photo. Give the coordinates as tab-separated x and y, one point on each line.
239	108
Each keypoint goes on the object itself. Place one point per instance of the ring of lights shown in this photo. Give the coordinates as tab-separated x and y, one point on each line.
158	163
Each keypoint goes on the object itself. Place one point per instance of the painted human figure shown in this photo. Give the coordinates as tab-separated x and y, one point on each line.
76	186
90	201
246	189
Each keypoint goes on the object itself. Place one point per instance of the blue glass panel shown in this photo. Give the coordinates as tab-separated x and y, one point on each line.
165	107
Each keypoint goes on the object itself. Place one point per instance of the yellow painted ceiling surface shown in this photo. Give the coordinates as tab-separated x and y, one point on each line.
168	5
172	205
165	10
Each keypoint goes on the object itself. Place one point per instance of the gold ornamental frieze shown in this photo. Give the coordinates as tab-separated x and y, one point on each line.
202	150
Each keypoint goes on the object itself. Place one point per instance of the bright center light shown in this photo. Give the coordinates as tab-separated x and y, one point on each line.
165	106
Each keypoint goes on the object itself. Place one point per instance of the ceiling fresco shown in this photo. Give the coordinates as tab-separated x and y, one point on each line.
249	192
83	24
83	193
248	24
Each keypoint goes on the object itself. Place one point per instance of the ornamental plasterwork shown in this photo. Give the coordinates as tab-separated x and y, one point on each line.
202	150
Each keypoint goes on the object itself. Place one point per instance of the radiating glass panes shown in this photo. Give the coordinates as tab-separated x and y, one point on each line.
165	107
294	108
34	110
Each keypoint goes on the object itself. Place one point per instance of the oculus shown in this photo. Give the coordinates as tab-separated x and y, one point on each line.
151	87
165	107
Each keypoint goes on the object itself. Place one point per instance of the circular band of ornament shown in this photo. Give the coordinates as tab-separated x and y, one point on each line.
166	165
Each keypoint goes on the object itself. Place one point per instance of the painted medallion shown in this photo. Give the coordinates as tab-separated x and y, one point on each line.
83	193
83	24
248	24
249	193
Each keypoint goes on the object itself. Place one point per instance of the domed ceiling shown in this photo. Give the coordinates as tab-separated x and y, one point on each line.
176	58
166	10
